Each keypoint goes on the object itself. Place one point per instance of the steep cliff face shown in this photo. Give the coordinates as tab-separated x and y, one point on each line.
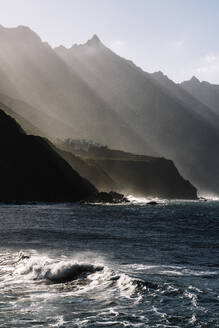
90	171
30	170
128	173
156	178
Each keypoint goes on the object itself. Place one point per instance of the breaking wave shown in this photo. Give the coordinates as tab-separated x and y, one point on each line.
145	200
87	282
55	271
83	276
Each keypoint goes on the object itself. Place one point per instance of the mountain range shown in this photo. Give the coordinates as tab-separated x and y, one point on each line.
206	92
89	92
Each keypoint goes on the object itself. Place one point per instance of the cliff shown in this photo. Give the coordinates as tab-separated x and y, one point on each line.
156	177
30	170
128	173
90	171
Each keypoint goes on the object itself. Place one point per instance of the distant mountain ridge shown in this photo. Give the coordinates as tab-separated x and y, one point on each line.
186	98
39	77
89	92
206	92
161	112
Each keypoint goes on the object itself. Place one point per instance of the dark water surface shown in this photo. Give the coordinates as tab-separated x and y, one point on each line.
132	265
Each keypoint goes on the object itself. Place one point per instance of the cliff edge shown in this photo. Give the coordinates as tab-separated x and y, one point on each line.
30	170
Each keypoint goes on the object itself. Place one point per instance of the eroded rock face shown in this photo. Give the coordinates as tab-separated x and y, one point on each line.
30	170
157	178
138	175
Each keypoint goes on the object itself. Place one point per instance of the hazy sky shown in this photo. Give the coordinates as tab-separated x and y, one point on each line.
179	37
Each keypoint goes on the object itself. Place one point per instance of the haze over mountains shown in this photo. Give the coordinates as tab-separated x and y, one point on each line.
207	93
127	173
65	105
89	92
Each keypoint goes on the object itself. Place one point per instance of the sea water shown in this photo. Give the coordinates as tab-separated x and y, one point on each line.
132	265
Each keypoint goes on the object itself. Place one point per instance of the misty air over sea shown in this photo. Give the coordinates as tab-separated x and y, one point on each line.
128	265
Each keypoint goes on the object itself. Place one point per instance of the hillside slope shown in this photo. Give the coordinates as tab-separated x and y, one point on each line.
126	173
206	92
172	122
89	92
30	170
44	81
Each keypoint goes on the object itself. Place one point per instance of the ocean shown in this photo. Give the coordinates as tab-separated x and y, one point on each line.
132	265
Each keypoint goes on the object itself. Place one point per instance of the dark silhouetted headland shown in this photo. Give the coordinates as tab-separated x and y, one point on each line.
30	170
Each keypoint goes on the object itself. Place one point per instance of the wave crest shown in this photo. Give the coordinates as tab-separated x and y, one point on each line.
57	272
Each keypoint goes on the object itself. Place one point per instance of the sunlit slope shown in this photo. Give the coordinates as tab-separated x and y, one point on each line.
33	120
38	76
207	92
89	92
176	126
187	99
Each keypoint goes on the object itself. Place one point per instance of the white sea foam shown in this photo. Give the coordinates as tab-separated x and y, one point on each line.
38	268
59	322
144	200
195	289
209	196
88	279
97	277
193	319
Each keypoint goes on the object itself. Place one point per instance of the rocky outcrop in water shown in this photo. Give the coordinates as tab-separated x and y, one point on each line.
111	197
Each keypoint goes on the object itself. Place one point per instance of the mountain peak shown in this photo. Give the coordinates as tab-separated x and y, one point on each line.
194	79
94	41
95	38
